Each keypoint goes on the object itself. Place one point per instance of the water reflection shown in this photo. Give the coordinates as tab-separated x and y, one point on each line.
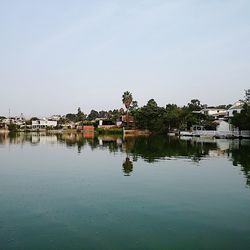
150	149
240	156
127	166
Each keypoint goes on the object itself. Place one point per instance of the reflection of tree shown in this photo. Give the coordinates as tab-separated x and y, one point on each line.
241	156
158	147
127	166
72	140
149	149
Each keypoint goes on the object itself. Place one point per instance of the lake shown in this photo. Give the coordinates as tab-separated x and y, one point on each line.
70	192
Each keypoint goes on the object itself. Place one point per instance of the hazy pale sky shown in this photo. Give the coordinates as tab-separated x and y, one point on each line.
58	55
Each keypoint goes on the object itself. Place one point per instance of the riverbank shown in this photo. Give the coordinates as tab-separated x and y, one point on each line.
97	131
4	131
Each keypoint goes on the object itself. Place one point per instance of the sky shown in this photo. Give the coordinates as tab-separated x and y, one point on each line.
56	56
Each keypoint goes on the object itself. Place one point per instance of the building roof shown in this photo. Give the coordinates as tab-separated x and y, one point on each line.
237	105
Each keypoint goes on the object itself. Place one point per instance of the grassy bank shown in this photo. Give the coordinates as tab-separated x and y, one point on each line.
111	131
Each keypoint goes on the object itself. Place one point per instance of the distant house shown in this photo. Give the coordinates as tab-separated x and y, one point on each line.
3	125
107	123
128	119
54	118
19	121
236	108
43	124
70	125
216	113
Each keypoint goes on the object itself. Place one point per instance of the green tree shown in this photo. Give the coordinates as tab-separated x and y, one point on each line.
13	127
116	114
133	106
242	120
194	105
71	117
151	117
127	99
172	116
93	115
80	115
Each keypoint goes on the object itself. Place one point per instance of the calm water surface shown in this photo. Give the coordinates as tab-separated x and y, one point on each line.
68	192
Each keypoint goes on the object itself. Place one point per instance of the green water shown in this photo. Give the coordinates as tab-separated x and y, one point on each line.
67	192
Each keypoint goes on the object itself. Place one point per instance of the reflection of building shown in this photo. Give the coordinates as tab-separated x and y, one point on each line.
43	139
88	131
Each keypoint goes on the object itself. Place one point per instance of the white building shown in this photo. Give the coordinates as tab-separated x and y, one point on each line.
236	108
54	118
214	112
14	120
223	126
43	123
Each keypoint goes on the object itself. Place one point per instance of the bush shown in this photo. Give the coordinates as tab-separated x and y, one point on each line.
13	128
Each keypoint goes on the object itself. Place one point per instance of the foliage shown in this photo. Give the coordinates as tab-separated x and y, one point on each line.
172	116
153	148
161	120
241	157
242	120
151	117
113	115
12	127
34	119
127	166
71	117
127	99
133	106
86	123
194	105
93	115
80	115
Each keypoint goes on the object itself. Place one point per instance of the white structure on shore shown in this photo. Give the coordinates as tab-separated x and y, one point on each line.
43	124
223	126
216	113
237	106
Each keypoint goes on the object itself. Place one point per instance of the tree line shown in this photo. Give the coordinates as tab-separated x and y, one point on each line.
159	119
164	119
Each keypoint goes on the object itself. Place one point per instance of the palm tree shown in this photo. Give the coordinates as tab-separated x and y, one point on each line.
127	99
127	166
